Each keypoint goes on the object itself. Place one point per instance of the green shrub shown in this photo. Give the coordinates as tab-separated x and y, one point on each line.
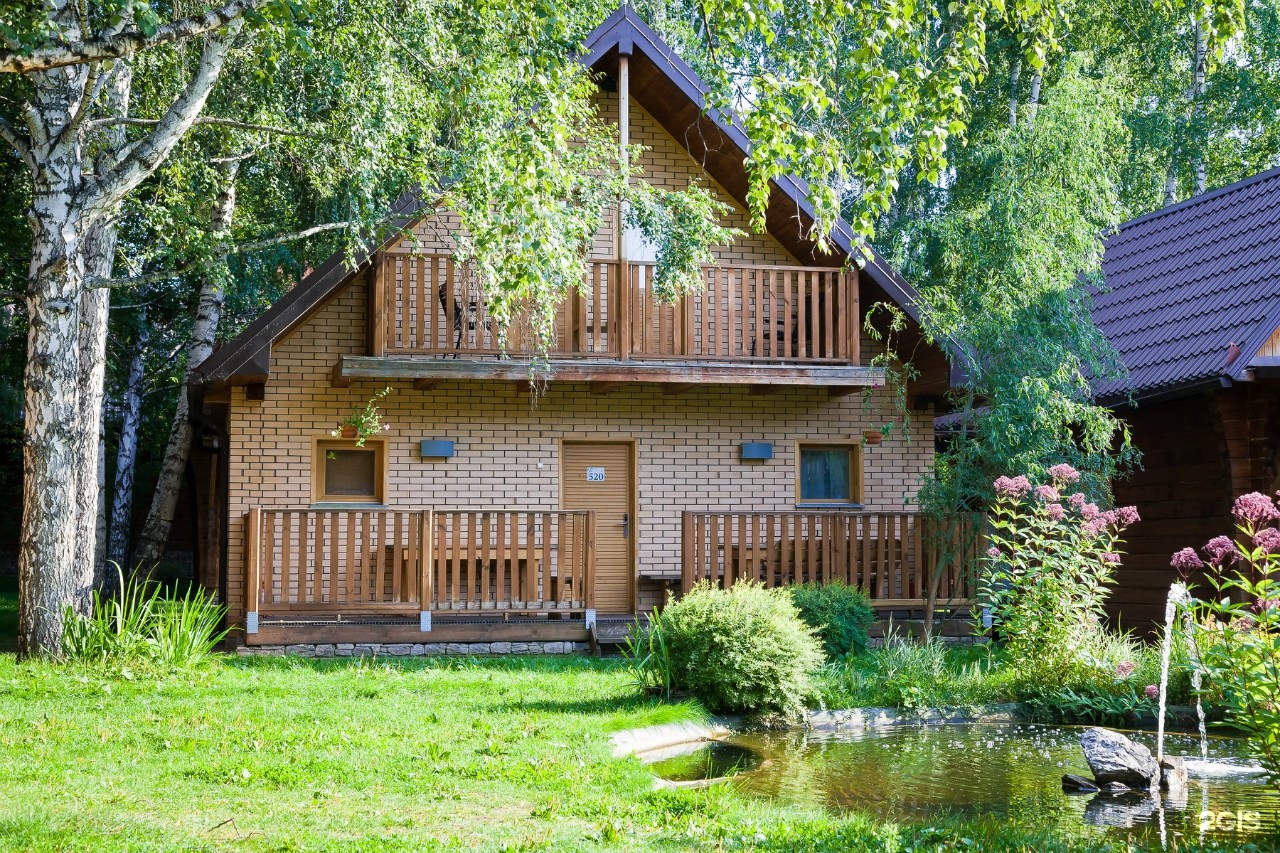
841	614
142	626
743	649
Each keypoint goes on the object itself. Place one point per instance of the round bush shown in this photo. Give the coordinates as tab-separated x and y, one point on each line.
741	650
840	613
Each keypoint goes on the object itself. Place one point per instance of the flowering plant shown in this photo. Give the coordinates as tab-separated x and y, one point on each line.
366	421
1238	622
1052	557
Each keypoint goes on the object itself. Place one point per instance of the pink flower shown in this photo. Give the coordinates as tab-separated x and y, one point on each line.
1186	560
993	552
1124	669
1110	558
1152	691
1012	487
1268	539
1255	507
1128	515
1264	604
1047	493
1077	500
1064	473
1093	527
1089	511
1110	517
1220	549
1056	511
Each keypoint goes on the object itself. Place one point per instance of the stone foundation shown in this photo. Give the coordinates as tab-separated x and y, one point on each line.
400	650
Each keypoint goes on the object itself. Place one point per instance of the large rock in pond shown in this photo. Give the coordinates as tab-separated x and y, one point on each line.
1112	757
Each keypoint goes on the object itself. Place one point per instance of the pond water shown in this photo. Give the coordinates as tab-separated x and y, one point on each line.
914	774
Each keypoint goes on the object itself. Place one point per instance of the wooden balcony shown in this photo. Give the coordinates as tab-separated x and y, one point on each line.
890	556
354	564
799	325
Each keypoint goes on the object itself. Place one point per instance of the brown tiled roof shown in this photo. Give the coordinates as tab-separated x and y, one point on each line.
1186	283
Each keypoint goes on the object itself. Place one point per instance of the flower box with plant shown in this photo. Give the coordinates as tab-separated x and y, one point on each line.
365	422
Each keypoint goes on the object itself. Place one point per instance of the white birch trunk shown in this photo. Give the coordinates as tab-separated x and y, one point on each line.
1014	73
49	576
204	331
100	252
126	457
1197	105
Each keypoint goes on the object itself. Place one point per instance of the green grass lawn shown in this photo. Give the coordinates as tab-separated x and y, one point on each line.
293	755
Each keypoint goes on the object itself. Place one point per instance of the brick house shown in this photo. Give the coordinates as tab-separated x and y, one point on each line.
720	437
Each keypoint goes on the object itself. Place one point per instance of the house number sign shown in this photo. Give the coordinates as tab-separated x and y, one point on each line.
595	475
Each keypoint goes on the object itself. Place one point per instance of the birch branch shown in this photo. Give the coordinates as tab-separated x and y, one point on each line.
202	120
10	134
125	42
226	250
149	152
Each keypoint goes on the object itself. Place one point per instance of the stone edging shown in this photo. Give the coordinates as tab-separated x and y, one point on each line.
348	650
859	719
653	738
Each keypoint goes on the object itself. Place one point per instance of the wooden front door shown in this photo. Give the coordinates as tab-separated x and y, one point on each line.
600	475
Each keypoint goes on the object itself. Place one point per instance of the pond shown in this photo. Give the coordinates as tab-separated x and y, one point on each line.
915	774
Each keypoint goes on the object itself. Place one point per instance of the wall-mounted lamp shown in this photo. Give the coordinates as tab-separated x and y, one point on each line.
436	448
755	451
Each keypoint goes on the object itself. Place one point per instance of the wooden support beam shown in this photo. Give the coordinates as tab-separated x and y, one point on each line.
255	391
842	390
852	377
674	388
761	390
337	380
425	384
602	387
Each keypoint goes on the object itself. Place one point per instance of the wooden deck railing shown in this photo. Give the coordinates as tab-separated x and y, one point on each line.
754	313
434	305
891	556
379	561
513	560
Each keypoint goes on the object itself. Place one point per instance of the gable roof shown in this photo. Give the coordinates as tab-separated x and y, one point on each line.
1186	283
670	90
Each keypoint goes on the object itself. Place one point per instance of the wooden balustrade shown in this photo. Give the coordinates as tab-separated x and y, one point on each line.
340	560
755	313
513	560
435	305
891	556
380	561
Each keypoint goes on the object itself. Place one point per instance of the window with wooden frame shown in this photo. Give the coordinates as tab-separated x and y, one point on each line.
829	474
345	473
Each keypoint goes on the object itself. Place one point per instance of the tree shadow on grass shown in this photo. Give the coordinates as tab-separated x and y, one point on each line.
533	664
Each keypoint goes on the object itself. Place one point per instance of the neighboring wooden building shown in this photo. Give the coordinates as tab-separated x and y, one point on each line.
1193	307
722	436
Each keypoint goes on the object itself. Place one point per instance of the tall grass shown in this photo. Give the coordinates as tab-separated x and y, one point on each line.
142	625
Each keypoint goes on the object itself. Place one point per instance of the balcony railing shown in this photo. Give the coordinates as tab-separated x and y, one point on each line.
355	562
434	305
890	556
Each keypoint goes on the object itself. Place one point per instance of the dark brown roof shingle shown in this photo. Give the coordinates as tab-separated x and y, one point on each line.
1186	282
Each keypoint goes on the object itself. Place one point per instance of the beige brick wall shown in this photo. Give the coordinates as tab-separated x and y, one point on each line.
507	445
665	163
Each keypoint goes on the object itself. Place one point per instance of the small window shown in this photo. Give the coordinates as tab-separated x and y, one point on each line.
830	474
348	474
